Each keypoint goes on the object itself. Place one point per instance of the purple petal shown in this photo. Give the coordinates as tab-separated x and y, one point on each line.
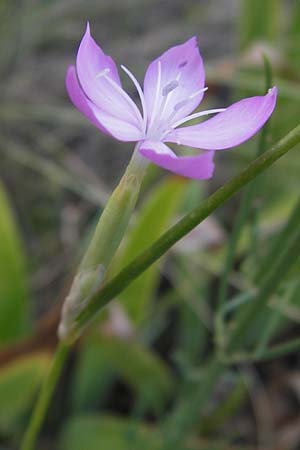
199	166
183	65
229	128
99	79
119	129
78	97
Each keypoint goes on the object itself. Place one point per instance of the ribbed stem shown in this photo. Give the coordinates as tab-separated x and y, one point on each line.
104	244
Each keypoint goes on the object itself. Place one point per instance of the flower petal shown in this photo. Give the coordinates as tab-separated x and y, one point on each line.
78	97
118	128
99	79
108	124
229	128
199	166
182	64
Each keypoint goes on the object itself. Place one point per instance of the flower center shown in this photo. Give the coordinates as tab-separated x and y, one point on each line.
160	124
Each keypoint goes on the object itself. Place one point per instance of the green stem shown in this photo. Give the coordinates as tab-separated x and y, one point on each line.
45	395
183	227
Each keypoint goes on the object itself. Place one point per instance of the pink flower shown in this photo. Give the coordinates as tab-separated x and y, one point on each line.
173	89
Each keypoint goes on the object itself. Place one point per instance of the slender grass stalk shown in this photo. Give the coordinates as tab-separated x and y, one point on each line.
277	351
245	206
280	266
239	223
139	264
291	224
45	395
256	187
273	321
182	418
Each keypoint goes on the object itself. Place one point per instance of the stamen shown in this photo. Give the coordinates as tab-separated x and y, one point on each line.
196	115
158	83
197	93
180	105
103	73
127	98
169	88
140	92
178	76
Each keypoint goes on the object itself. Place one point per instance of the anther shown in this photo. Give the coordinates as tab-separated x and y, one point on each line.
170	87
182	64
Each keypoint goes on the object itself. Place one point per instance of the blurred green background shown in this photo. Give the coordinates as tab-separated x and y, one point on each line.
146	351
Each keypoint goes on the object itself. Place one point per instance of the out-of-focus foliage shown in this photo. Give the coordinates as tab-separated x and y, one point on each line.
256	26
107	433
19	383
102	360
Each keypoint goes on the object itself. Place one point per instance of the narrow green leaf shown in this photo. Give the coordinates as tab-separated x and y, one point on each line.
14	295
245	207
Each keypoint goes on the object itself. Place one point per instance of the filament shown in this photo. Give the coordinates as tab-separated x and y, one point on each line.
140	92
